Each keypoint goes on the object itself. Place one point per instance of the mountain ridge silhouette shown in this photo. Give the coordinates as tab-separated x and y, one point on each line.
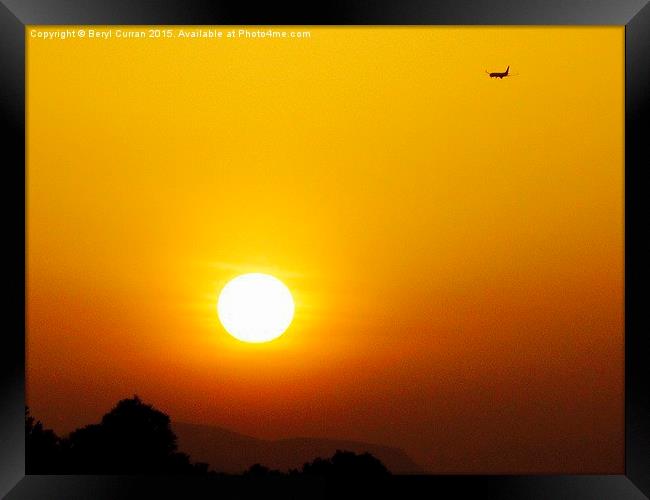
232	452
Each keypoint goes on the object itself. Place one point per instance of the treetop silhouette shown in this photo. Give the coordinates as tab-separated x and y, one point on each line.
136	438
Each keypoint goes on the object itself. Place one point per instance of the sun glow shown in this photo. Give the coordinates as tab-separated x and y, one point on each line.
255	307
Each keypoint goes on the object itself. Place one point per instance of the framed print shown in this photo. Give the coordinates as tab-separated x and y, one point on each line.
325	250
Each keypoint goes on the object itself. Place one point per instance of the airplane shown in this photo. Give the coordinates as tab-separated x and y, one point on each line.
499	75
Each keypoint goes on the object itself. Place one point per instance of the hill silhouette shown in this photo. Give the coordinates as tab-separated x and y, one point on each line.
233	453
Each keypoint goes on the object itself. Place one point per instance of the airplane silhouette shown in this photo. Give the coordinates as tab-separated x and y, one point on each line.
499	75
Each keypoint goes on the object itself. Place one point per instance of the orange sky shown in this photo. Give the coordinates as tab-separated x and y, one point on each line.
454	243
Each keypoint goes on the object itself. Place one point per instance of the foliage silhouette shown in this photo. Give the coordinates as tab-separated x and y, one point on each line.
133	438
258	471
43	448
136	438
346	464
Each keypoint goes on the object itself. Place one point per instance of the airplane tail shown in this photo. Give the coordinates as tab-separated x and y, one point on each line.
507	69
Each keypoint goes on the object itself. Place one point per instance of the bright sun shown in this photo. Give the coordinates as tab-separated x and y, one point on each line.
255	307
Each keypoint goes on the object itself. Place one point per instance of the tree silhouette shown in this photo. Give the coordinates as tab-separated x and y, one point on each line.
136	438
133	438
346	464
258	470
43	448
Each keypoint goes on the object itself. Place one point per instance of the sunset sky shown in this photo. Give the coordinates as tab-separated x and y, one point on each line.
453	243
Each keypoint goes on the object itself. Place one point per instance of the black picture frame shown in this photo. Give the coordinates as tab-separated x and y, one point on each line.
633	14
